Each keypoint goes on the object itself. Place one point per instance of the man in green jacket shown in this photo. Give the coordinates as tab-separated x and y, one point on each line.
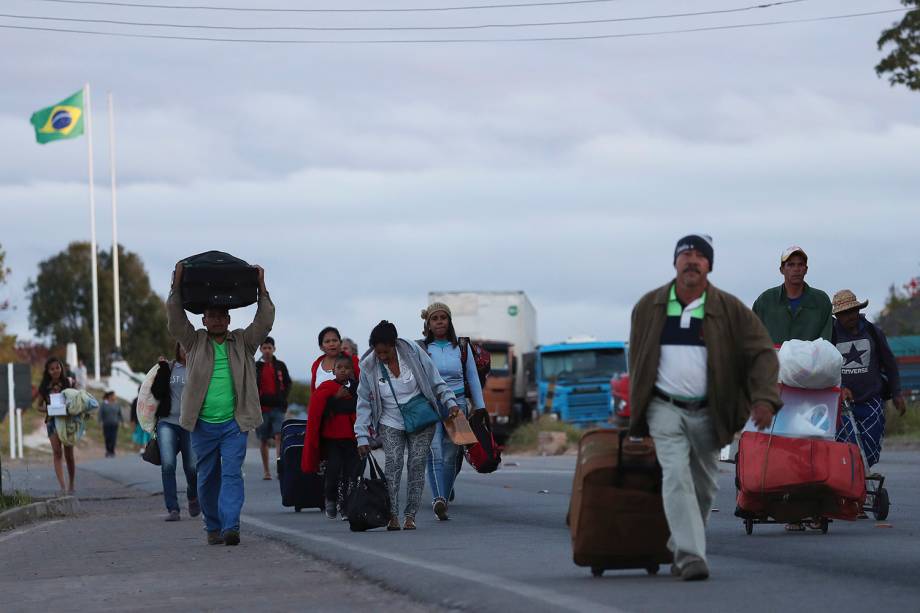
794	310
220	402
700	365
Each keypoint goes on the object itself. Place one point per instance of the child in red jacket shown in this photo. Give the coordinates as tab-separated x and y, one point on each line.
331	432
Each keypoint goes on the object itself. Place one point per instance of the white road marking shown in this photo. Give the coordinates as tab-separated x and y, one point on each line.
564	601
16	533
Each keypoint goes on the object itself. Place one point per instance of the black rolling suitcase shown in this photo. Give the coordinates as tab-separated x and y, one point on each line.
298	490
217	279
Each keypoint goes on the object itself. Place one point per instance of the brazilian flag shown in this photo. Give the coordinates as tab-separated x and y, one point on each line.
63	120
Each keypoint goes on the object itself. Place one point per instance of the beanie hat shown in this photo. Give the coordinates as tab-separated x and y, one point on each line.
433	308
700	242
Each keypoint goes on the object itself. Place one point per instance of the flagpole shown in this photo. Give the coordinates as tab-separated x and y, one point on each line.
92	222
115	277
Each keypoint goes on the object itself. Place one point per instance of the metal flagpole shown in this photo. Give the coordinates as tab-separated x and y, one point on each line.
92	221
114	226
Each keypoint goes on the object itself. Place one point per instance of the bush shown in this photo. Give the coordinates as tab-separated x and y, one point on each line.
15	499
907	427
524	437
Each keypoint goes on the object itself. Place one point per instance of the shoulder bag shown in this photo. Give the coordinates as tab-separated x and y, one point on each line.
418	413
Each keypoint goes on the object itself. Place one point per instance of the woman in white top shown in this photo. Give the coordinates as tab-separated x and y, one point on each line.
396	376
330	341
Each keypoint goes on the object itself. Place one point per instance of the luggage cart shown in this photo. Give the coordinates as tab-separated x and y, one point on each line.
877	501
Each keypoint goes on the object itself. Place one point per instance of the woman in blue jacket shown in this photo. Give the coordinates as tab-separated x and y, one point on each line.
445	350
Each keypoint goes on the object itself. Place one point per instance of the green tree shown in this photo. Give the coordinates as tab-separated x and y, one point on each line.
901	314
901	63
61	307
7	341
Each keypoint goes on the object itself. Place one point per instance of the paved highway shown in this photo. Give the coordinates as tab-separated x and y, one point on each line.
506	548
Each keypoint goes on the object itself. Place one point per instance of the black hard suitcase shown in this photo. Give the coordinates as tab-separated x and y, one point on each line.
217	279
298	490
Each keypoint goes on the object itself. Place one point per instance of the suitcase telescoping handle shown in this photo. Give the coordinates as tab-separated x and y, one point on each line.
653	470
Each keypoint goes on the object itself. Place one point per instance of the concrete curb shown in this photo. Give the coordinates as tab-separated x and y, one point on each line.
56	507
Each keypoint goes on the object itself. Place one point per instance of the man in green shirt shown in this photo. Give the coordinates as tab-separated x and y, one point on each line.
794	310
220	403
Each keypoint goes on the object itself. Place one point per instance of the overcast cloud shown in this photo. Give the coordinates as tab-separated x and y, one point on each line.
362	177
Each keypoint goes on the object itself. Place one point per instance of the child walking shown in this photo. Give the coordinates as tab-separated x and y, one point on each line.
330	432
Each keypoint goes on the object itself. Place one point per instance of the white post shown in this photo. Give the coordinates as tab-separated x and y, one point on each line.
19	433
12	410
92	221
114	225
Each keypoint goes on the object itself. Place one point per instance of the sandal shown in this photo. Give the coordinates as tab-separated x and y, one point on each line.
409	523
795	527
393	524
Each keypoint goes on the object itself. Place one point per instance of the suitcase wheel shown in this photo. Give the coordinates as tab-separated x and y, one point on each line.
597	571
297	509
652	569
749	526
824	525
881	504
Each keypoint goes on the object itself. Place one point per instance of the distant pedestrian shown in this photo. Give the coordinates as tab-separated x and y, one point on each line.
398	376
330	433
274	387
700	364
168	385
445	350
220	402
869	376
54	381
330	342
111	417
139	436
349	347
80	376
794	310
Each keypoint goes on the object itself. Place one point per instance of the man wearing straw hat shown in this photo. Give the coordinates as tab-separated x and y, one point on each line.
869	375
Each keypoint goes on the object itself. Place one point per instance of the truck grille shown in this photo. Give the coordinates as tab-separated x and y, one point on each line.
588	408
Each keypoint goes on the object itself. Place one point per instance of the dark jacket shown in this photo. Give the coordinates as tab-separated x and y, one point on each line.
811	321
278	400
870	369
160	389
742	367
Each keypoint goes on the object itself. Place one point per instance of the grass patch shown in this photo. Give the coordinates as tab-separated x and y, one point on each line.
524	437
905	428
15	499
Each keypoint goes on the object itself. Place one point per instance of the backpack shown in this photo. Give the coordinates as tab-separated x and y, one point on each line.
482	358
873	332
485	455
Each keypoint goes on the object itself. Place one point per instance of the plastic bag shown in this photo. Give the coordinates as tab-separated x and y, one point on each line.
810	364
147	405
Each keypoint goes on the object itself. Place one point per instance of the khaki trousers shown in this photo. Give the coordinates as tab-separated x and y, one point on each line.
688	451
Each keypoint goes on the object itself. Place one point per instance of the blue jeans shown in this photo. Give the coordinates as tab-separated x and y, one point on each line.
220	449
442	460
172	439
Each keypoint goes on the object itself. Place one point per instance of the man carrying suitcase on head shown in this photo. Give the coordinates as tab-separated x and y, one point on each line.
700	364
220	402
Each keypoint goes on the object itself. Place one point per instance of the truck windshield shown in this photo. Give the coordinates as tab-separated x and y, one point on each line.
586	363
499	363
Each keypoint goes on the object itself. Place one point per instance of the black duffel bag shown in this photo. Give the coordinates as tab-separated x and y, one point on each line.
217	279
369	503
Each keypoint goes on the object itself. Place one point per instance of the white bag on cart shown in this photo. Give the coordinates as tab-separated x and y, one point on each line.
810	365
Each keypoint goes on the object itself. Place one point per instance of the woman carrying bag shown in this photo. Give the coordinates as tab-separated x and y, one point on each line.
172	438
399	393
443	347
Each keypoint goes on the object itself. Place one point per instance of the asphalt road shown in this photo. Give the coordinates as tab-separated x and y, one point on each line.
506	548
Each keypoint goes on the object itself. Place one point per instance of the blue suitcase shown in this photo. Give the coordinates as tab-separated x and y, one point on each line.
298	490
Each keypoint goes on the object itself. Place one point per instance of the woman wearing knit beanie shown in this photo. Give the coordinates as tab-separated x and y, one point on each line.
443	346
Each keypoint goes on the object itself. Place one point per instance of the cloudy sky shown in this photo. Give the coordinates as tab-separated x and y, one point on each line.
363	176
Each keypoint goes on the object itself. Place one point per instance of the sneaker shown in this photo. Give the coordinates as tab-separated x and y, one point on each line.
194	509
330	509
214	538
173	516
440	509
393	524
694	571
409	524
232	537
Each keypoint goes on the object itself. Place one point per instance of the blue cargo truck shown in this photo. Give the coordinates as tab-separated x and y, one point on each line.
572	379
